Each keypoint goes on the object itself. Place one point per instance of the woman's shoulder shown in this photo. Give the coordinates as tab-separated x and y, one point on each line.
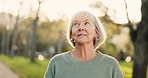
110	59
58	57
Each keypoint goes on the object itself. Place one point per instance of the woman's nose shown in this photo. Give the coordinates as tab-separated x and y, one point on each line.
81	28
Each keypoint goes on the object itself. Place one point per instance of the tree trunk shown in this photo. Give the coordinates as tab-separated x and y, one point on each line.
28	44
14	35
3	40
33	36
141	44
60	43
7	43
141	53
33	39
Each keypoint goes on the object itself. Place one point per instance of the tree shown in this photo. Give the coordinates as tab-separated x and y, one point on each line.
6	21
14	32
33	34
3	40
111	28
140	40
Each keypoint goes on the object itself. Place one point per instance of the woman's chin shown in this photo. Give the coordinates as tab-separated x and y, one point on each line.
81	41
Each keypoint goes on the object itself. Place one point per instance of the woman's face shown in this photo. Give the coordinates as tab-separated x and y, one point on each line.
83	30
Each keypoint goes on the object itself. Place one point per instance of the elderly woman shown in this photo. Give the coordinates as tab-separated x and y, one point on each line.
85	34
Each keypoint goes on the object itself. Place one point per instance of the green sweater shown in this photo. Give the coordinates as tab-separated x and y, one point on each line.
64	66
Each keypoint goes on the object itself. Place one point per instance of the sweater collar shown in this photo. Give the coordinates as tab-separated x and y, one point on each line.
83	64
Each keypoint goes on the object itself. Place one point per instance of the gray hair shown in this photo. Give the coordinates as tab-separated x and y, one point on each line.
99	28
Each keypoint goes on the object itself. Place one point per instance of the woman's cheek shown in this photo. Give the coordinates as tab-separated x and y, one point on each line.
74	31
74	34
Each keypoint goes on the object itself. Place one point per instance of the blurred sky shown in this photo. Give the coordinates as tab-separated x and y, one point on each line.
54	9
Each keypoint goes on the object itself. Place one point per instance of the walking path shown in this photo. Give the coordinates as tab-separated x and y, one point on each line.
5	72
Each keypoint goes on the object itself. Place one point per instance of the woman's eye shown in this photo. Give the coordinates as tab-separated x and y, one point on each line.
87	23
76	24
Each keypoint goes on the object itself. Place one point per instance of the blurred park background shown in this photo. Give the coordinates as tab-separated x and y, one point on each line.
32	31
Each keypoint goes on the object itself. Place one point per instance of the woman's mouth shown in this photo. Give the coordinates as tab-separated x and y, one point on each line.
81	35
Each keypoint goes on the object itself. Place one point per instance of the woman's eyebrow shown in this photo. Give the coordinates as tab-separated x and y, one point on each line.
75	21
87	20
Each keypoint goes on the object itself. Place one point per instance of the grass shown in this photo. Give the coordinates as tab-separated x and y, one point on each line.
126	69
25	69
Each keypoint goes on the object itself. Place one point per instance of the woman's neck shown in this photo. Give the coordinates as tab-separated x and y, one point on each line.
83	52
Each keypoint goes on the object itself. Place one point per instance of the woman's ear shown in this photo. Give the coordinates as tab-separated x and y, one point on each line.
97	34
71	37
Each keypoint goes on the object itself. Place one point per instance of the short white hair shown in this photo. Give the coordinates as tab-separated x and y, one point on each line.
99	28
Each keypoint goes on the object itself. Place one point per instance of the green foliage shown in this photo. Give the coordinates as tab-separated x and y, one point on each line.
108	48
67	46
49	33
